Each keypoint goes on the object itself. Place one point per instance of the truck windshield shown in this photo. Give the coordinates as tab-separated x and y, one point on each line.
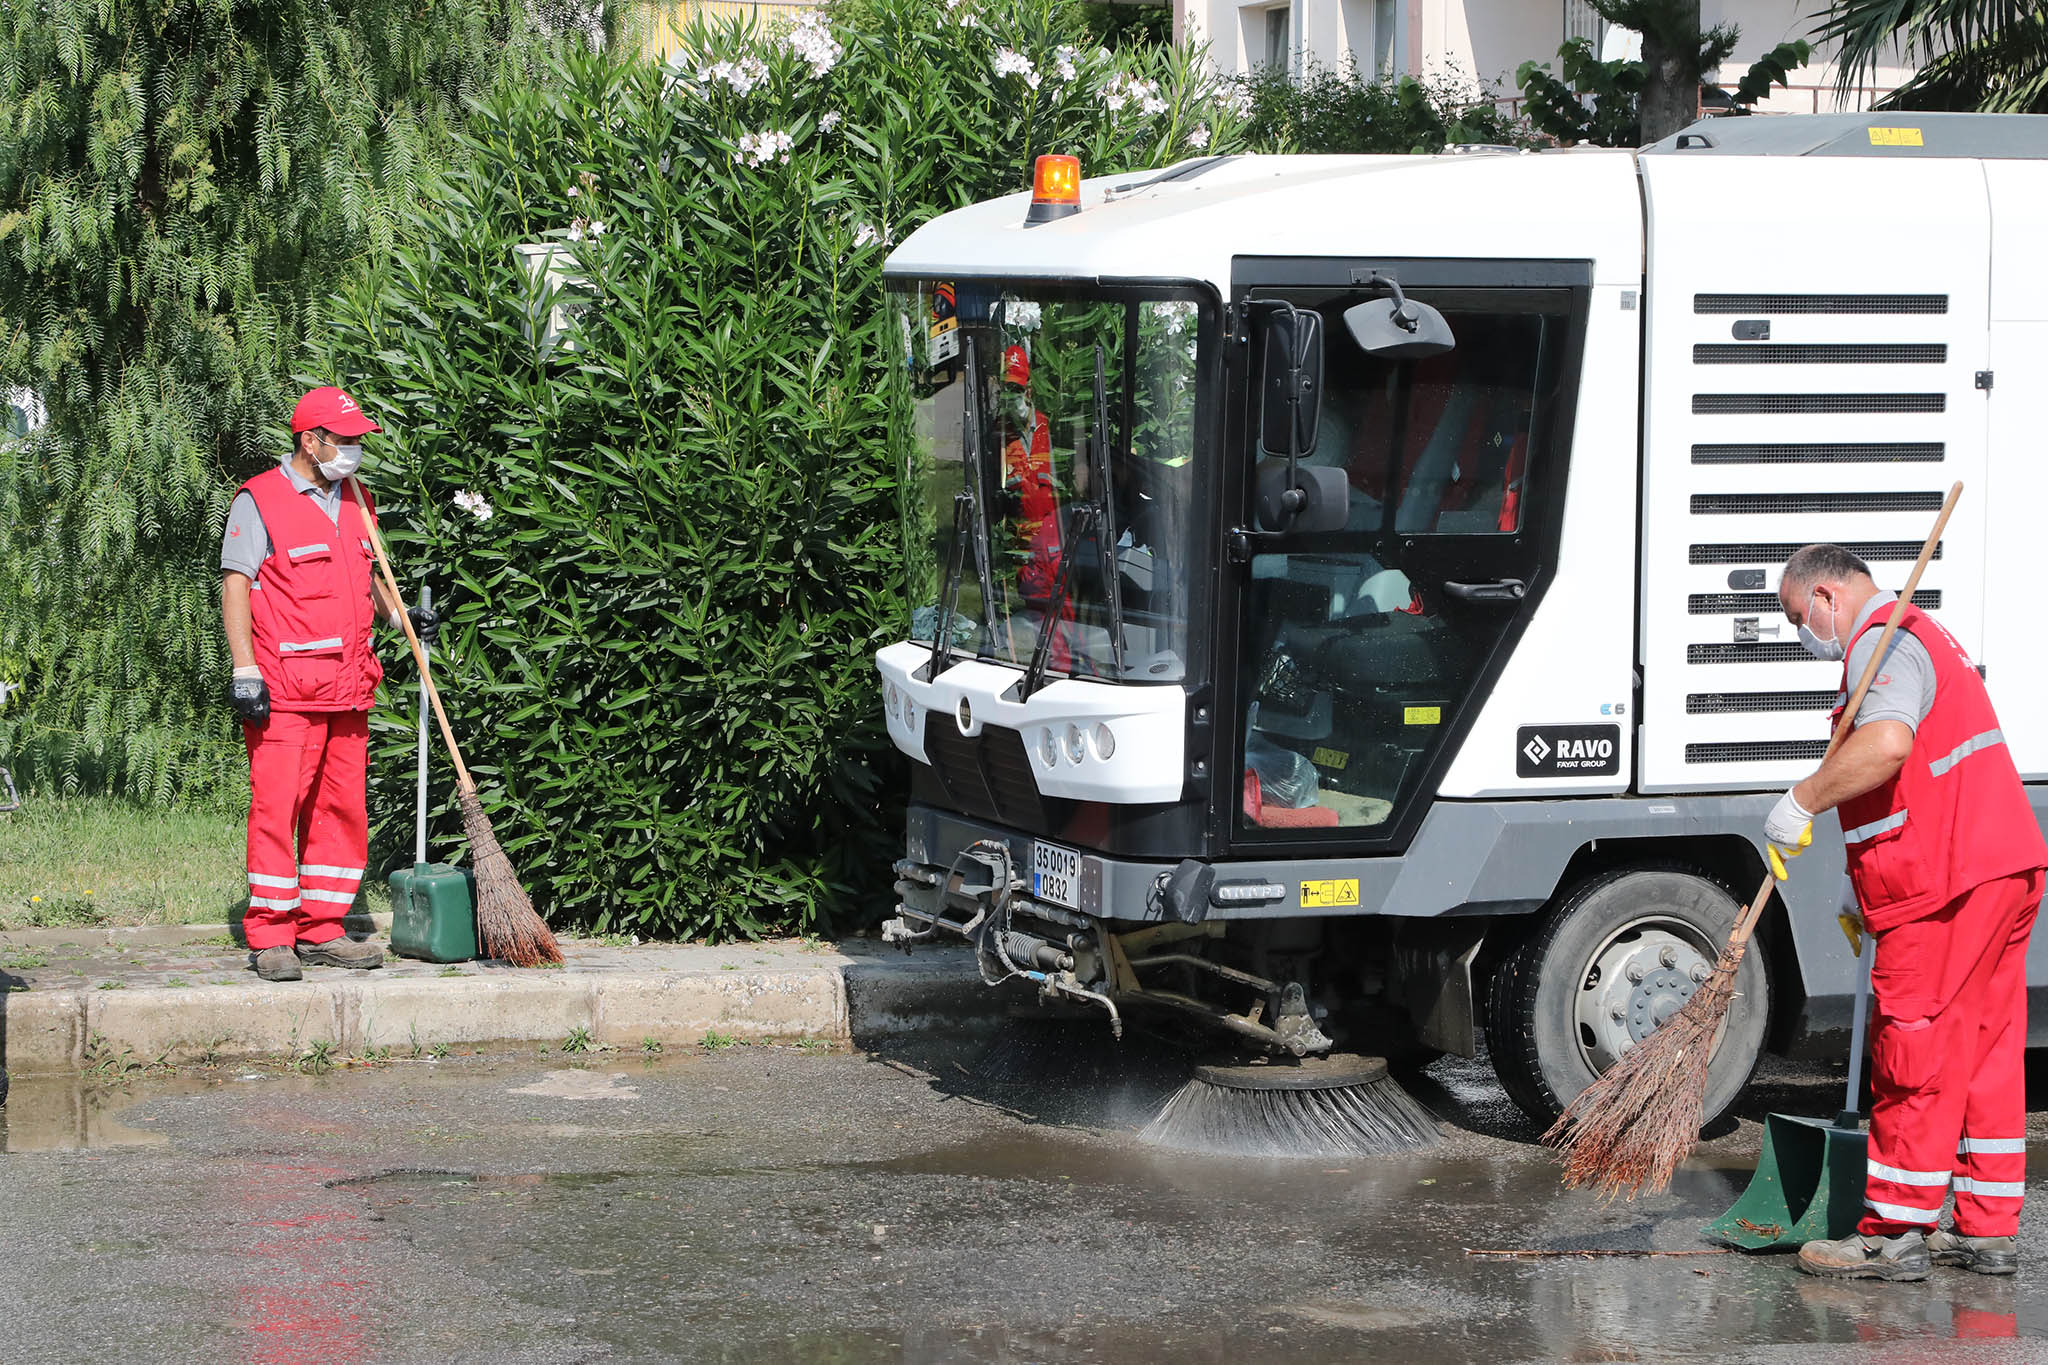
1020	362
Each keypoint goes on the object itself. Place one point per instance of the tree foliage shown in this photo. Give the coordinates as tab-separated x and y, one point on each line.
661	635
1989	55
181	184
1601	102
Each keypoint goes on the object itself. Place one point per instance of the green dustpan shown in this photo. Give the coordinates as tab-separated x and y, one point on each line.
1810	1174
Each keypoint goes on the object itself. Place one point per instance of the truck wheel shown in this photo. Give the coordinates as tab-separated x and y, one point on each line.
1618	955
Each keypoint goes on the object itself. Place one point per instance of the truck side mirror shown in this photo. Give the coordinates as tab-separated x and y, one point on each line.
1320	501
1398	328
1293	386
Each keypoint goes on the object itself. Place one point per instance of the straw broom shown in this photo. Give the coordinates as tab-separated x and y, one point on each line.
1629	1129
507	926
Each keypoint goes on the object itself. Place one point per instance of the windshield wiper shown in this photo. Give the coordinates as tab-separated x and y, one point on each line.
970	521
1096	519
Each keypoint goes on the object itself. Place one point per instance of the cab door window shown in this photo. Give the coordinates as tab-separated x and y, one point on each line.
1362	649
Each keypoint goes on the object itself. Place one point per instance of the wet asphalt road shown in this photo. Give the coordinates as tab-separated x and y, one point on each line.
766	1204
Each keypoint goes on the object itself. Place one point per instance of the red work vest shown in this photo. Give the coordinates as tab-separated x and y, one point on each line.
310	605
1955	816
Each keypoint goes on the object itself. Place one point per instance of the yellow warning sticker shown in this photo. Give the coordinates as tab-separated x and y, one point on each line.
1895	137
1334	759
1324	895
1422	715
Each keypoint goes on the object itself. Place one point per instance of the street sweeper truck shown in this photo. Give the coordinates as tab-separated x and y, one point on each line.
1342	589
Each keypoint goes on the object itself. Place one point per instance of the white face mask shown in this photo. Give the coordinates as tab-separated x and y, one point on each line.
1831	649
347	460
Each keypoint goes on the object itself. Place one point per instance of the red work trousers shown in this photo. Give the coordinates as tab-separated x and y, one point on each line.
309	835
1948	1058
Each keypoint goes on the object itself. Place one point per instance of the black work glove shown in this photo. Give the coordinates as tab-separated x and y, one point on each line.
250	696
426	623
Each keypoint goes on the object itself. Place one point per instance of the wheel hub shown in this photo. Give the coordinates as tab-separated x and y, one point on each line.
1636	981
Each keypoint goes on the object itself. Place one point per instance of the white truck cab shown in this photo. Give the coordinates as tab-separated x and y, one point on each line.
1333	684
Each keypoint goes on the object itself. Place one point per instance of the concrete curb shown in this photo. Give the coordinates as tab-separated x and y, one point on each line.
674	996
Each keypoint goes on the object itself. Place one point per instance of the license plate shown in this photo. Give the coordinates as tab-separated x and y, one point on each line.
1056	875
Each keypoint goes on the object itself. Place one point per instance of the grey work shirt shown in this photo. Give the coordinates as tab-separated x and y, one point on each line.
245	544
1903	689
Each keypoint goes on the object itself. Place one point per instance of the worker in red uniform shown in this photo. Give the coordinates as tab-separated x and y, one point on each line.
1027	452
1945	867
298	601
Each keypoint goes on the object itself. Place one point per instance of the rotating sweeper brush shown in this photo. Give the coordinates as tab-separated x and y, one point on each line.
1340	1105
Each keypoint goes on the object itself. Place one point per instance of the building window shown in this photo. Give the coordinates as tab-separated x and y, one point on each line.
1581	20
1276	37
1383	37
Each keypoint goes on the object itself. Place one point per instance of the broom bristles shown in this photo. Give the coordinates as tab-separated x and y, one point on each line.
1627	1131
507	926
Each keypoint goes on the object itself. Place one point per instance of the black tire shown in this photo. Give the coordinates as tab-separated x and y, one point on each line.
1541	1049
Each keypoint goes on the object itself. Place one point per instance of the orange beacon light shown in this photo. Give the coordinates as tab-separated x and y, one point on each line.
1055	188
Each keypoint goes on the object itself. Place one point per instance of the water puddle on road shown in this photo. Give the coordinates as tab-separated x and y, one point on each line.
72	1114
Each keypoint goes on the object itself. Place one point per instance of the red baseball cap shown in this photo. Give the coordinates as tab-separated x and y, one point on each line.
1016	366
333	410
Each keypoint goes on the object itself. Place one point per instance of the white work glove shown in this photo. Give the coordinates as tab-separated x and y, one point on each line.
1788	829
1850	916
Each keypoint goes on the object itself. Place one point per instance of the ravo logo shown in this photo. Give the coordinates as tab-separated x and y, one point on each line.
1567	750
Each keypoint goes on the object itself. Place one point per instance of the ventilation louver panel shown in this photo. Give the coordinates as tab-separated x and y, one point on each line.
1762	652
1734	703
1747	603
1757	751
1753	504
1774	404
1873	452
1781	304
1764	552
1766	353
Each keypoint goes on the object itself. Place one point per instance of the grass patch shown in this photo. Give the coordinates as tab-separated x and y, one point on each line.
714	1041
24	960
140	864
97	860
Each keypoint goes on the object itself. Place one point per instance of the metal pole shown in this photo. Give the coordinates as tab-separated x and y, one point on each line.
1862	1015
420	835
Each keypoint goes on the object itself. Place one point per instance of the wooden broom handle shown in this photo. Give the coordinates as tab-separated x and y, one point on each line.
419	652
1744	927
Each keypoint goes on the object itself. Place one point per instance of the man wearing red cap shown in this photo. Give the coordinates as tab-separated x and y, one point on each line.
298	600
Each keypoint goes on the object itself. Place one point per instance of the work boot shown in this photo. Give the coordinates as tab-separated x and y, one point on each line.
1857	1257
1985	1255
342	952
278	964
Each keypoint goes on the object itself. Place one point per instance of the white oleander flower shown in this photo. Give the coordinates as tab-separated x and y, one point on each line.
597	228
474	504
1063	59
1011	63
758	149
575	232
829	120
1199	137
864	235
813	42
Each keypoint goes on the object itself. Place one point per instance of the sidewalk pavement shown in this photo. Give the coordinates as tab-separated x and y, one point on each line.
70	998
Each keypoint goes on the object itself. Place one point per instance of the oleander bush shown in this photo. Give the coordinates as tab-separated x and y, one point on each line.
668	554
1341	109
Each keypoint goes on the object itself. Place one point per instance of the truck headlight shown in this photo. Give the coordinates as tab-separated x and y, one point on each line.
1077	746
1105	742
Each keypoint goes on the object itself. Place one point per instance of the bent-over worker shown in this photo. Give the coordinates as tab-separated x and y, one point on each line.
298	601
1945	865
